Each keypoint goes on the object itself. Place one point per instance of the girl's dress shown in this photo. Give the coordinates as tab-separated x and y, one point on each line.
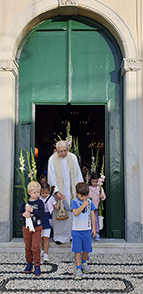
49	202
94	195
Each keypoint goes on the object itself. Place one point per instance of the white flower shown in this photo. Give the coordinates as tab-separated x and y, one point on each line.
29	176
102	177
21	160
100	183
69	141
21	168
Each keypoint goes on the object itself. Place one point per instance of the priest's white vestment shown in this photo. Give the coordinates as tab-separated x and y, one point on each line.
62	228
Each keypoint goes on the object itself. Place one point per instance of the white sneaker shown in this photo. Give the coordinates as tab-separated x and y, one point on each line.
45	258
42	253
85	267
78	274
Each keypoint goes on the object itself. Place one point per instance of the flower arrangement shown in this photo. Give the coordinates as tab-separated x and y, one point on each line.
69	137
72	142
32	172
94	163
75	149
87	177
32	175
22	177
100	183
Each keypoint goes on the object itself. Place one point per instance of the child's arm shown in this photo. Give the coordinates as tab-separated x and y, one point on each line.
77	211
93	231
40	211
102	195
28	208
26	214
57	205
22	211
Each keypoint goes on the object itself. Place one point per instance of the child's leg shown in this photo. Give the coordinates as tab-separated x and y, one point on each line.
42	243
76	247
87	247
78	274
96	220
84	265
77	259
84	256
36	237
27	236
46	235
46	244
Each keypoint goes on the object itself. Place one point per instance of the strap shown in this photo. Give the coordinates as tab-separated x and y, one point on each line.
48	198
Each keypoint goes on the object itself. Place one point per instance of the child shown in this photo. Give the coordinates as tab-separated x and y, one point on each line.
83	217
49	203
94	194
42	178
35	209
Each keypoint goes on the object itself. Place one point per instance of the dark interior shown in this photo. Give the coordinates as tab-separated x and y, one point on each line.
87	122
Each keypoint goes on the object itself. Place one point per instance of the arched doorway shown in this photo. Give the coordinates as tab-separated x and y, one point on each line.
75	60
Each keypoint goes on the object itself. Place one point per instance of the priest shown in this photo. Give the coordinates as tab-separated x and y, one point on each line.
63	173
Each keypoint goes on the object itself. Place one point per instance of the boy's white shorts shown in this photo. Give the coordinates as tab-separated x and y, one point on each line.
46	233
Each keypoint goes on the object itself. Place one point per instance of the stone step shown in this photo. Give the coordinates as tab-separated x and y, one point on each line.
16	245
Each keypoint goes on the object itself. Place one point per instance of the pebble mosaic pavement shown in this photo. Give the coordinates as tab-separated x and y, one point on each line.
109	273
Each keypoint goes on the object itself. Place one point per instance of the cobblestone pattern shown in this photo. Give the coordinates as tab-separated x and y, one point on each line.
109	273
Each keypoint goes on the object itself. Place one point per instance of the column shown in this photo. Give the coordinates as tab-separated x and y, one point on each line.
133	219
8	72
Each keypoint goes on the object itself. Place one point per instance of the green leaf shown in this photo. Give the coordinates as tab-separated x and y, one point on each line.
59	138
19	186
100	208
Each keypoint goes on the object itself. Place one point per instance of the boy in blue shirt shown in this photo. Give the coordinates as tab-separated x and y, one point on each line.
83	227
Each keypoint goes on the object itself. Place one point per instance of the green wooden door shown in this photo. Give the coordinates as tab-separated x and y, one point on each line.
73	60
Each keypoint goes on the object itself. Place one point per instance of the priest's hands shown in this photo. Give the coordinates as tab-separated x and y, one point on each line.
60	196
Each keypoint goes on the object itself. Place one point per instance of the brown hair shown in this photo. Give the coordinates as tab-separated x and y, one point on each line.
45	186
94	176
82	188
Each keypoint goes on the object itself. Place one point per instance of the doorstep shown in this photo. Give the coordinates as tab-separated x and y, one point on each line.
104	246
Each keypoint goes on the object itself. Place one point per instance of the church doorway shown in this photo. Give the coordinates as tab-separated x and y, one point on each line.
87	125
69	70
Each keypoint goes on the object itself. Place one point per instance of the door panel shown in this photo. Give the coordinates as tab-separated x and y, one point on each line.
91	64
43	72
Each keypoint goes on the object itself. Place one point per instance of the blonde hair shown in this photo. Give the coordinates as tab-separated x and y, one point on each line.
33	185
